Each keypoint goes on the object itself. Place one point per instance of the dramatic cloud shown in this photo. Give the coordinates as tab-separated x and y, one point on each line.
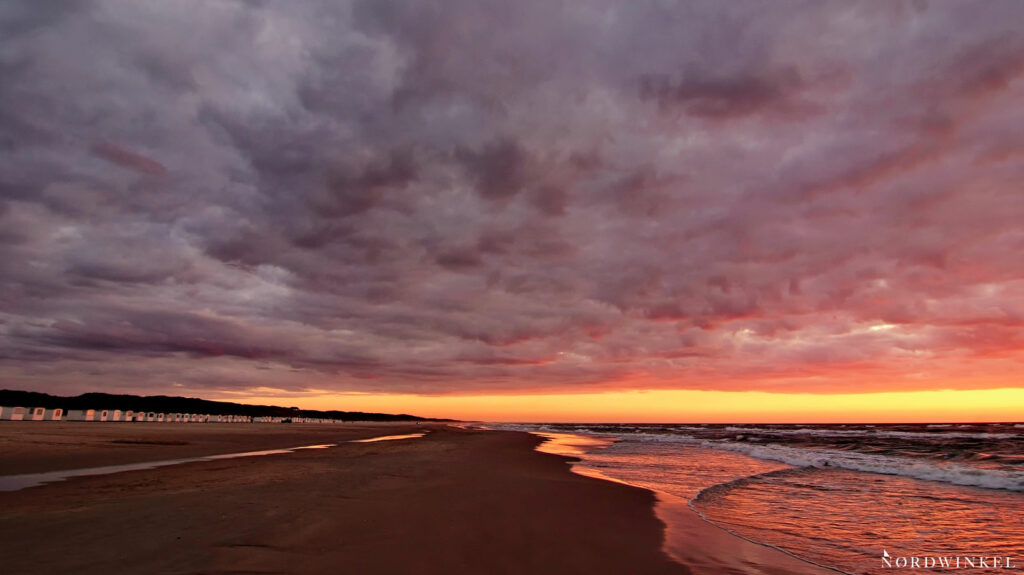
473	196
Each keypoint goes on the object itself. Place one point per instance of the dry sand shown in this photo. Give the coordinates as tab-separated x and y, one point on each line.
455	501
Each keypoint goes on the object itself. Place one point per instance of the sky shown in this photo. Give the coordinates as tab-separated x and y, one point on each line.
518	210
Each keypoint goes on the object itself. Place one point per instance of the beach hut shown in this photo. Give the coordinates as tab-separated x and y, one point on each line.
140	416
128	416
12	413
56	414
36	414
104	415
82	415
115	415
160	418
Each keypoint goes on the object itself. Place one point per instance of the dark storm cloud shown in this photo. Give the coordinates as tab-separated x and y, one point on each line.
498	169
726	97
444	197
126	158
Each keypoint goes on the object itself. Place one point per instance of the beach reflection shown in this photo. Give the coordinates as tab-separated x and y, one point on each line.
388	438
571	443
23	481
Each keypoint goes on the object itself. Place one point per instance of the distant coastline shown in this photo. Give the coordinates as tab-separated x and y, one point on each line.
174	404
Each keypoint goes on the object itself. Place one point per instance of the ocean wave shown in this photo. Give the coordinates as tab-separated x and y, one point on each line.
870	463
882	463
819	432
952	473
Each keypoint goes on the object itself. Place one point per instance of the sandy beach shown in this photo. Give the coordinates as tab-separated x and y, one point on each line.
455	501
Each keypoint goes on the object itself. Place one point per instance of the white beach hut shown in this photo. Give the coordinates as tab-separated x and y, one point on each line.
151	416
114	415
82	415
103	415
12	413
36	414
55	414
160	418
128	415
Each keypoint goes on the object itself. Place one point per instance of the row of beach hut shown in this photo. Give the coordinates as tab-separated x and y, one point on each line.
46	414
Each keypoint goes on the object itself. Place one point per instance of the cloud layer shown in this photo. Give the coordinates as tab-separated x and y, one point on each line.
467	197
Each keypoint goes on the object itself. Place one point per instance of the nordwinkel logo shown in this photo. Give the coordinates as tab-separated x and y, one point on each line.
946	561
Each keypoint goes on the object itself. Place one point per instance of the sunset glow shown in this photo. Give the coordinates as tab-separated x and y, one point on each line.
659	406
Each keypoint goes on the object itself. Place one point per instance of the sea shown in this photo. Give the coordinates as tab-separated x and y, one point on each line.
858	499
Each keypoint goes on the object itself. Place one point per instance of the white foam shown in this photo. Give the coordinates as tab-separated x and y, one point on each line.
874	433
823	458
872	463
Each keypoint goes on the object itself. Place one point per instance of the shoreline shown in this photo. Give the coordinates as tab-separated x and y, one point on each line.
454	501
690	538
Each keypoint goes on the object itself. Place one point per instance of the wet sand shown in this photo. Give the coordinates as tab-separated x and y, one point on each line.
455	501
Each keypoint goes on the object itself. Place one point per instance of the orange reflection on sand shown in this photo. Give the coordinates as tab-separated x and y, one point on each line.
388	438
570	443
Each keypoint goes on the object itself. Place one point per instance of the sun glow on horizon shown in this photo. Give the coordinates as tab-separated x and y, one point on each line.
691	406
